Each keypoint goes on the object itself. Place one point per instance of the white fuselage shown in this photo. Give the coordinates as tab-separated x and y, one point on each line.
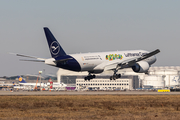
55	84
88	61
99	61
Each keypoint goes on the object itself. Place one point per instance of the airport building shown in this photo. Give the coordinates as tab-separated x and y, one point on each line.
126	82
158	77
101	82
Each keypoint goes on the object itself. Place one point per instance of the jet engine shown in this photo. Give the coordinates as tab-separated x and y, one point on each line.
141	67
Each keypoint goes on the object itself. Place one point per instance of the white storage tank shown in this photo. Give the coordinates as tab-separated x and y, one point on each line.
154	81
166	72
172	80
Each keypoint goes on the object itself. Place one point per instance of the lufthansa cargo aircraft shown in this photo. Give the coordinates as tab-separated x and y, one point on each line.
94	63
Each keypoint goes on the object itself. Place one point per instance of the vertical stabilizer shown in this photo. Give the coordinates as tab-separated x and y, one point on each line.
13	84
54	46
21	80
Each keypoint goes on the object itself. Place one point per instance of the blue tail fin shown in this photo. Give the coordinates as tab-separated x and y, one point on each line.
13	84
54	47
21	80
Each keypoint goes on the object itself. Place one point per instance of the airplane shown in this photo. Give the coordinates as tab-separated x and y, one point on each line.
24	83
98	62
4	84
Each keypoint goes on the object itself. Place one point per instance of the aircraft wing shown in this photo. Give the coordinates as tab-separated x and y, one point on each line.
117	64
135	60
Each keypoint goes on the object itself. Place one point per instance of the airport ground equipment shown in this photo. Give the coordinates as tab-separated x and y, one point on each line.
163	90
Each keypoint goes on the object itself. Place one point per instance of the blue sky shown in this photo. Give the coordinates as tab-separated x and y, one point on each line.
87	26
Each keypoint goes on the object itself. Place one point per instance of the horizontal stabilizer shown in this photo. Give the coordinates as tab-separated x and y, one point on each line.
33	60
62	60
28	56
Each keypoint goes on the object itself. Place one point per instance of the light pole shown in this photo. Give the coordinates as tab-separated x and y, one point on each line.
40	78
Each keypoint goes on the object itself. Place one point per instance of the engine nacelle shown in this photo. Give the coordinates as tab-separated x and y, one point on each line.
141	67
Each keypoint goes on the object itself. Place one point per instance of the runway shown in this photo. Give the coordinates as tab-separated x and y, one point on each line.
48	93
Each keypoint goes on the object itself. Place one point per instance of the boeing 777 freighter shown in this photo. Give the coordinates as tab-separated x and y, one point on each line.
95	63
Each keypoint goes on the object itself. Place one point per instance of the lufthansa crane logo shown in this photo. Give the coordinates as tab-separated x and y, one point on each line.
55	48
20	79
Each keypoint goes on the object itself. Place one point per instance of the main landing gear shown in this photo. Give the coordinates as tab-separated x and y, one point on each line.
89	77
115	76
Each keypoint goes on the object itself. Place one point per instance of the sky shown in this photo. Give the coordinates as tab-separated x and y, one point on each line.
86	26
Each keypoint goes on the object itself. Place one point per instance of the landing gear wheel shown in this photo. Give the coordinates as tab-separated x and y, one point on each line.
89	77
114	77
119	75
110	77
